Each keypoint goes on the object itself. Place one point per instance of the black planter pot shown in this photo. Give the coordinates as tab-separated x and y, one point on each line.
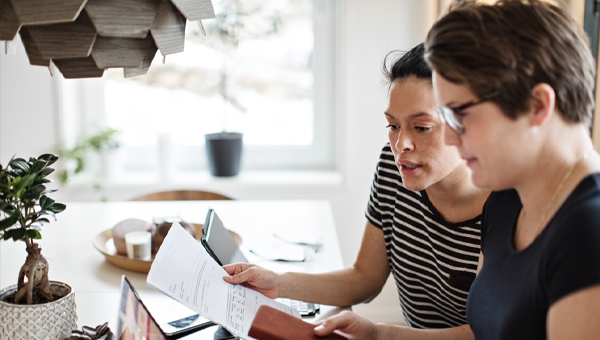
223	152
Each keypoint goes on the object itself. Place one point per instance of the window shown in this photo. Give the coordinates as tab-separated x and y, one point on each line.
280	85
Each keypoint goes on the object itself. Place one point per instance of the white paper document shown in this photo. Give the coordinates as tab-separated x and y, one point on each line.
183	270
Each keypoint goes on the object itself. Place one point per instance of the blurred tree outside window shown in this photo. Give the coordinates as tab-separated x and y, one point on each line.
260	85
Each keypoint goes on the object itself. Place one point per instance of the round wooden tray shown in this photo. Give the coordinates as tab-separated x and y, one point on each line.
104	243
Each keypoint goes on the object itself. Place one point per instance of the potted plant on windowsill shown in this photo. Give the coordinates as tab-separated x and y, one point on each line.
234	22
101	146
34	308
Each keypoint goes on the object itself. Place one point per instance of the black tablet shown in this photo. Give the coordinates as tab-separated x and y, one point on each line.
218	242
221	246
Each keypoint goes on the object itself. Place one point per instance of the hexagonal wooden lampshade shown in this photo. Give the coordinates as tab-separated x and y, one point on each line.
85	37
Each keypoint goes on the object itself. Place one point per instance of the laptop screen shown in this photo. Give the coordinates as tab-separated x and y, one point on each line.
134	321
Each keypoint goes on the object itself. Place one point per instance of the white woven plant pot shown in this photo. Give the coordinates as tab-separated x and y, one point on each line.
48	321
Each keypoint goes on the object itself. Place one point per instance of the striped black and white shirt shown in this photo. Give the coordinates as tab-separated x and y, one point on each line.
433	261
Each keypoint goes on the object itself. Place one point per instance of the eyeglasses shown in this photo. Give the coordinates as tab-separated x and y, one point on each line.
453	115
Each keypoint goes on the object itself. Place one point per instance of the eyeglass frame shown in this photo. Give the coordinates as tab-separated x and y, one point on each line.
454	119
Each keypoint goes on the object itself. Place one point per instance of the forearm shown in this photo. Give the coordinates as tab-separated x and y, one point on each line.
354	326
339	288
389	332
346	287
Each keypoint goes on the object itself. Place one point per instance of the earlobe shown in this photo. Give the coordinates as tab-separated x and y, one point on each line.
542	103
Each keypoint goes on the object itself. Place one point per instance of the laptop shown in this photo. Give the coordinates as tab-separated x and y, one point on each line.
221	246
135	322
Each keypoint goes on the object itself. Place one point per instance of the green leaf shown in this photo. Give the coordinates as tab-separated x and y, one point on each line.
17	159
80	165
7	234
32	216
18	234
58	207
38	166
10	210
46	171
42	220
34	234
35	227
28	203
43	200
36	190
46	202
9	221
19	194
49	158
25	181
46	213
46	192
4	205
21	164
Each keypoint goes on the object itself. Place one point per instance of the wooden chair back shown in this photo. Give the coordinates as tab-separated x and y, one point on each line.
182	195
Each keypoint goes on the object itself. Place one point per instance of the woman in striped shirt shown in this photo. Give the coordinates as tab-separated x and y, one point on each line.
423	220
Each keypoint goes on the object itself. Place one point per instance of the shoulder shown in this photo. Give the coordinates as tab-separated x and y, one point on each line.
580	214
587	193
571	242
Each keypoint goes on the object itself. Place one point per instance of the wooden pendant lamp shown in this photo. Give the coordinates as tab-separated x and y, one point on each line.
85	37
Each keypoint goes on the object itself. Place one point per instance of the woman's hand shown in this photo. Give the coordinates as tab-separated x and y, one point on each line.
349	325
262	280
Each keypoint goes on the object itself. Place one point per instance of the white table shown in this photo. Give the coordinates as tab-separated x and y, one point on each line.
67	244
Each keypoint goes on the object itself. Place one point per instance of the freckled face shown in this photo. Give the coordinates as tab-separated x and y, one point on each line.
417	135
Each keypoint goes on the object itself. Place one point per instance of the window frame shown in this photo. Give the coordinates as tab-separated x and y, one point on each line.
82	108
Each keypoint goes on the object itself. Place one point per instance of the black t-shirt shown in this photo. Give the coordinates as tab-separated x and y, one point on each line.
511	296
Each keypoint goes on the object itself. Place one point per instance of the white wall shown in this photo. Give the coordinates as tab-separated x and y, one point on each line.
26	107
370	30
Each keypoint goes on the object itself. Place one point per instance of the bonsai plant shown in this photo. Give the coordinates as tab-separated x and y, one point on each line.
24	208
234	22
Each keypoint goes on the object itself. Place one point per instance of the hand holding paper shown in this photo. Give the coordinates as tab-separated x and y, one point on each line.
183	270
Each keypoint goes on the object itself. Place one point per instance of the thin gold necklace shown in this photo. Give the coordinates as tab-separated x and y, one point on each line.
555	194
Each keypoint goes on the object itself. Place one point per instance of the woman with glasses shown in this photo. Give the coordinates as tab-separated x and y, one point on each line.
423	218
516	84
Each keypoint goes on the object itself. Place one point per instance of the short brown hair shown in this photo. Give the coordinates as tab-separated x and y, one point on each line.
511	46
